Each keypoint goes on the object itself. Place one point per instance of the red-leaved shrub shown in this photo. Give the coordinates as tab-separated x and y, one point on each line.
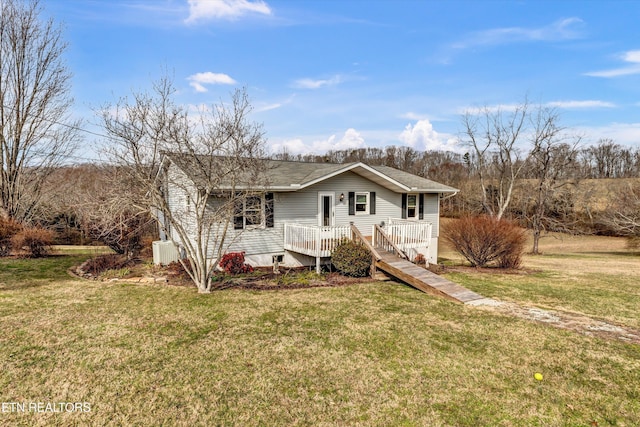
233	263
36	241
8	229
420	260
483	240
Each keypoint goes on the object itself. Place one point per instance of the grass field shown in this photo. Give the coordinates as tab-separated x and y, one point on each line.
368	354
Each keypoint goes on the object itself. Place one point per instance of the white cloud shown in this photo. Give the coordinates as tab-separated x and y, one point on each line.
422	136
632	57
622	133
510	108
263	106
307	83
268	107
224	9
198	80
291	146
350	140
581	104
412	116
475	111
565	29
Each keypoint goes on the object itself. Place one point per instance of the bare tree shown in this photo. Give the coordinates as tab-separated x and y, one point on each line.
622	216
100	199
36	131
494	136
552	157
211	163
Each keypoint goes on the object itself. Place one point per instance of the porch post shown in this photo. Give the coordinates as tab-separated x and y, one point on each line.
318	248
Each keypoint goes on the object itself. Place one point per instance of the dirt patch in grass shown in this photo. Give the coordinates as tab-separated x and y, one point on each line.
568	320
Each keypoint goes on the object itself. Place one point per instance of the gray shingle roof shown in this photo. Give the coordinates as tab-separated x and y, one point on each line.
414	181
291	176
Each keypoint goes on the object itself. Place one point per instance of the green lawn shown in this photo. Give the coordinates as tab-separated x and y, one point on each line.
369	354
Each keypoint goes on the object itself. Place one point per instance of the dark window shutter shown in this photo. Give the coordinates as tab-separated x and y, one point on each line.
404	207
372	203
352	203
238	220
268	207
421	206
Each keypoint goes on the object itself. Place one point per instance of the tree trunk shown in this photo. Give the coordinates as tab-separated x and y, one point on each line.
536	241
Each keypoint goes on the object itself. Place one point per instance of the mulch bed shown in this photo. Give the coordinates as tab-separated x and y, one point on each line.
272	281
263	279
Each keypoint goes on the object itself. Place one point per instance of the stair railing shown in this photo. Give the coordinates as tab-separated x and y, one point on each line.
381	240
357	236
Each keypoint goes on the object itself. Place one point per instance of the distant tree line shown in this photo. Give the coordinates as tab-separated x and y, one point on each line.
605	159
82	202
581	201
519	164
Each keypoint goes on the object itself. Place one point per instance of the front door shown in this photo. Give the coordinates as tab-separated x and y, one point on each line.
326	210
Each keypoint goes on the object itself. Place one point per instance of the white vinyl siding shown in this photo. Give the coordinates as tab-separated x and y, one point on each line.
179	198
302	207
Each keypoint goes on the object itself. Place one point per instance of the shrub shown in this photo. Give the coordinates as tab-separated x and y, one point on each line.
483	240
351	259
233	263
8	229
37	241
633	242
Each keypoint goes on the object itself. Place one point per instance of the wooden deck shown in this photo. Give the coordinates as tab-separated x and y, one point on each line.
423	279
387	254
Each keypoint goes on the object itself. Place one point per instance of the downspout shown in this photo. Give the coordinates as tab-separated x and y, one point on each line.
449	196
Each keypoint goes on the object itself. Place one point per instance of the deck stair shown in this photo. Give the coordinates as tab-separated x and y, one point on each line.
392	260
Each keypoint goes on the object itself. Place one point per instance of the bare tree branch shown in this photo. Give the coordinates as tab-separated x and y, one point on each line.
551	162
36	131
211	162
494	136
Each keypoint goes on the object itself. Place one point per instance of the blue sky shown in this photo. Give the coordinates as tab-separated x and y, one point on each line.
336	74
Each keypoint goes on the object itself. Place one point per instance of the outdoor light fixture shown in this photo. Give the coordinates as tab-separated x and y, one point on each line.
342	197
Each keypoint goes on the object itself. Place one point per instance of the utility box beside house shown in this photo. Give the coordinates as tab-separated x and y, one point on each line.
165	252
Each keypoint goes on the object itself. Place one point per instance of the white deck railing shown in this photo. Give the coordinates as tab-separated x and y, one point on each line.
314	240
320	241
407	234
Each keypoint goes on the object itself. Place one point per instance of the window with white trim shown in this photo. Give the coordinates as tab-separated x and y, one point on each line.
412	205
362	203
254	211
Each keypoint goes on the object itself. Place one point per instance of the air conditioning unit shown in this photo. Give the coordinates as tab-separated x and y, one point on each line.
165	252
